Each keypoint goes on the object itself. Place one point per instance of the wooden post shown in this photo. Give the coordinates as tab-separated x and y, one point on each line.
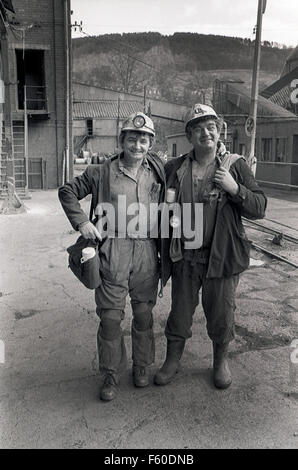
145	96
117	124
252	161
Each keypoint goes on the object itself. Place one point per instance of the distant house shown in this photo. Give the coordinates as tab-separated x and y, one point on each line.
281	92
37	133
98	114
97	124
276	145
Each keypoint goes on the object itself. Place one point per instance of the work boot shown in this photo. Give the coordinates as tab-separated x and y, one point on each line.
221	373
140	376
171	365
109	387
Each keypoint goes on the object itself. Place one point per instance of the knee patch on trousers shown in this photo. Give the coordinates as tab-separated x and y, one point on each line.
143	321
110	329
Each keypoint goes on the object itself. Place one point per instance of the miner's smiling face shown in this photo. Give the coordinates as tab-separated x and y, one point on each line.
204	134
136	144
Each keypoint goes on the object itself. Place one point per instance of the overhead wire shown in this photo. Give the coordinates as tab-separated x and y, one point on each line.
137	59
159	71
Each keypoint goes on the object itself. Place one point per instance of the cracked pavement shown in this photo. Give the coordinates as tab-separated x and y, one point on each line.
49	382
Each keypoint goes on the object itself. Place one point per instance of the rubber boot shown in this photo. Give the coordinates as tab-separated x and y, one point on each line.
109	387
221	373
171	365
140	376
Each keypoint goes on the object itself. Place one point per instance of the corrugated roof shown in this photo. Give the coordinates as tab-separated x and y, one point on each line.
80	95
238	95
280	84
104	109
282	97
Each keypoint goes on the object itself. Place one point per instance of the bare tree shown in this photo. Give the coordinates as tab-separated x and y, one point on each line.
129	74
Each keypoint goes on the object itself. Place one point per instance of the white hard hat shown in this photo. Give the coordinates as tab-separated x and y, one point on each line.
138	122
199	111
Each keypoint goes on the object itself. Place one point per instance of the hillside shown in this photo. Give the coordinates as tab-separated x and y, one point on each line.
178	67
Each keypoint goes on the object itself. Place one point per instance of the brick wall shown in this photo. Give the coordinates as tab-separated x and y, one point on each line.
47	33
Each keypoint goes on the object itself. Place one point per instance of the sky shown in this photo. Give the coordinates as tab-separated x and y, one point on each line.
222	17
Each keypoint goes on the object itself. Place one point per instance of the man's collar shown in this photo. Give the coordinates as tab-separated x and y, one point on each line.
191	154
185	165
121	165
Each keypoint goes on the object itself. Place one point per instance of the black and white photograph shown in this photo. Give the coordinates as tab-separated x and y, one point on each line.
149	228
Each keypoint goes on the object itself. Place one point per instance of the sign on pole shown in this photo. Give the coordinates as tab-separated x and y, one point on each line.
249	126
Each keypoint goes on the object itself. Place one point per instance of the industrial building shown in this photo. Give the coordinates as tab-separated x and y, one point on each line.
276	145
98	114
36	143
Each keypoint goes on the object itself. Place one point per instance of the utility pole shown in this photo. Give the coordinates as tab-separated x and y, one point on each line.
145	96
251	123
118	123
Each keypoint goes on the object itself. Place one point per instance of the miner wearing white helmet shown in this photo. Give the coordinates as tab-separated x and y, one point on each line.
138	122
222	185
129	183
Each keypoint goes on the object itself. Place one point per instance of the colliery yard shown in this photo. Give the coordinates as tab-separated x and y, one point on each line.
50	383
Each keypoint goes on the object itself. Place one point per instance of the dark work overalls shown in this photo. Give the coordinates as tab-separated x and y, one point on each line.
129	265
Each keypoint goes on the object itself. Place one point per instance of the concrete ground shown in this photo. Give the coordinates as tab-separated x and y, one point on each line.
49	383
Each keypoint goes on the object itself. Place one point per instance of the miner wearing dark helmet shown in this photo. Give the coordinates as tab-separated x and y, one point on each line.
126	185
220	188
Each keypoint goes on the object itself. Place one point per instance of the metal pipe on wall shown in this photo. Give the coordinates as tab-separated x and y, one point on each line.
67	86
26	140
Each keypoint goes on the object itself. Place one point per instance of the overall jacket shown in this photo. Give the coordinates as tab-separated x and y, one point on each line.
229	251
95	181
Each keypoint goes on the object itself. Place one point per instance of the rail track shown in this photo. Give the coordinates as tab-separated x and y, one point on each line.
266	229
278	233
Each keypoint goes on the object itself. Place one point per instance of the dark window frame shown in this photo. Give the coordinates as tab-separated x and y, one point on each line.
284	142
174	150
266	149
30	71
89	126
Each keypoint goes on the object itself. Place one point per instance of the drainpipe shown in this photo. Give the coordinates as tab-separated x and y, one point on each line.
67	87
118	122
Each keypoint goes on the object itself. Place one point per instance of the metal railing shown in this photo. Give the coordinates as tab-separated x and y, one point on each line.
35	97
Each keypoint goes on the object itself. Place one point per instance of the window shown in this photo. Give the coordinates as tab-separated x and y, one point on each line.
266	151
228	145
174	150
242	149
89	126
281	150
30	74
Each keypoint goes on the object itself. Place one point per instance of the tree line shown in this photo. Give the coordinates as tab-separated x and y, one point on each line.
166	64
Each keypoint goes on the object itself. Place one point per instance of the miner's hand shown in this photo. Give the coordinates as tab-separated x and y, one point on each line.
225	180
89	231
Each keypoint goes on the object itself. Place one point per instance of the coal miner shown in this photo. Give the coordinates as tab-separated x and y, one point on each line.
127	185
221	184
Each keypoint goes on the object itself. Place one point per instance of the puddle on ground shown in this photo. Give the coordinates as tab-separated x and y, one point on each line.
25	314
